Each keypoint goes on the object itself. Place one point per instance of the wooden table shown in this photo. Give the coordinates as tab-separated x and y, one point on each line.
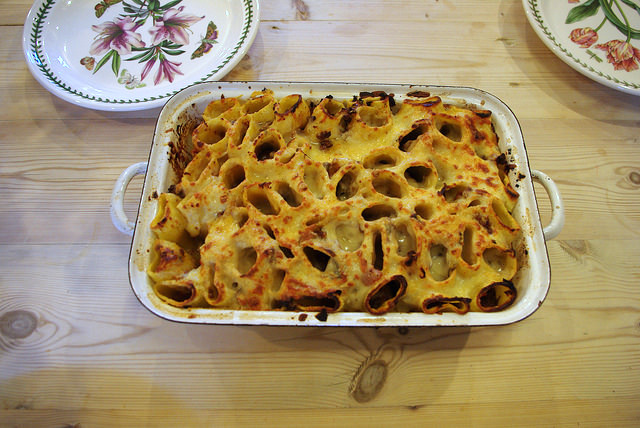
78	349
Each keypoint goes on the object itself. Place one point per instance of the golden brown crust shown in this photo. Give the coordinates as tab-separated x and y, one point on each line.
340	205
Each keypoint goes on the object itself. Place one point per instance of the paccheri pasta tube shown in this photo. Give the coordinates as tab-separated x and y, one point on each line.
339	205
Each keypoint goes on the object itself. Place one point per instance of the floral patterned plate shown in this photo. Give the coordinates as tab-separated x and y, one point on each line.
134	54
598	38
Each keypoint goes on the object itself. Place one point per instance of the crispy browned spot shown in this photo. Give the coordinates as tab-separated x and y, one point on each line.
385	296
329	302
440	304
497	296
419	94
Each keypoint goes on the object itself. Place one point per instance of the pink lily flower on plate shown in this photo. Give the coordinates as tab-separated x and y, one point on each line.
585	37
173	26
621	54
119	35
147	68
167	70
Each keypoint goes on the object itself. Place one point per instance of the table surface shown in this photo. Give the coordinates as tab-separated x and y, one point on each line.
78	349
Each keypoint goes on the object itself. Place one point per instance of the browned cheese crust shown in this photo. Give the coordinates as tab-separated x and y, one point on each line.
359	205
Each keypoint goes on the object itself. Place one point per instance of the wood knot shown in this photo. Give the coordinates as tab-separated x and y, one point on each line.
302	10
576	249
630	177
368	380
18	324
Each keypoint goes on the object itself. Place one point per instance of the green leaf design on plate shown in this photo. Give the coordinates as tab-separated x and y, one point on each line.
632	4
613	18
173	52
170	4
144	56
103	61
583	11
115	63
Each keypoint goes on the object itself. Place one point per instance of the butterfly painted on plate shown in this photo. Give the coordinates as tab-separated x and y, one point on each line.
207	41
129	81
102	7
89	62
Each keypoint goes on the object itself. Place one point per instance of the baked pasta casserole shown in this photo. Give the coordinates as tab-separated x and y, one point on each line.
358	205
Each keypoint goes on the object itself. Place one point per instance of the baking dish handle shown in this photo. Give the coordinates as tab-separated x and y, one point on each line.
118	216
557	207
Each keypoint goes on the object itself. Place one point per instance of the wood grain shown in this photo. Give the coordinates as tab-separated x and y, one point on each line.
573	357
77	349
593	413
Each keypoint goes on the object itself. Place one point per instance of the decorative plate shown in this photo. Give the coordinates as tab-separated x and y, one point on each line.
134	54
598	38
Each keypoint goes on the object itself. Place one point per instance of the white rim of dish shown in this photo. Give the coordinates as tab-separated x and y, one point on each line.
39	66
550	38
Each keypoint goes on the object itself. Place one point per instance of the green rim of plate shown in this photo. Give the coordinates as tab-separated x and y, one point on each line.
537	15
39	57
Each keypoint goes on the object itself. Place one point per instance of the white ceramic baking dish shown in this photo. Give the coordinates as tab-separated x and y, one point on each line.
186	107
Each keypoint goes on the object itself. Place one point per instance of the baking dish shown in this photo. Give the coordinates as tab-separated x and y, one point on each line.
184	110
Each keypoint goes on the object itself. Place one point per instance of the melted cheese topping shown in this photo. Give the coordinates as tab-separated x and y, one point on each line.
347	205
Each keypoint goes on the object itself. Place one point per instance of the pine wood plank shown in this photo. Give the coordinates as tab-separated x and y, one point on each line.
111	341
96	357
378	10
598	181
536	413
14	12
530	78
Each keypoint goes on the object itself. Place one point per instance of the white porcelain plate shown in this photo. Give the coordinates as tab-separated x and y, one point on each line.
598	38
134	54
